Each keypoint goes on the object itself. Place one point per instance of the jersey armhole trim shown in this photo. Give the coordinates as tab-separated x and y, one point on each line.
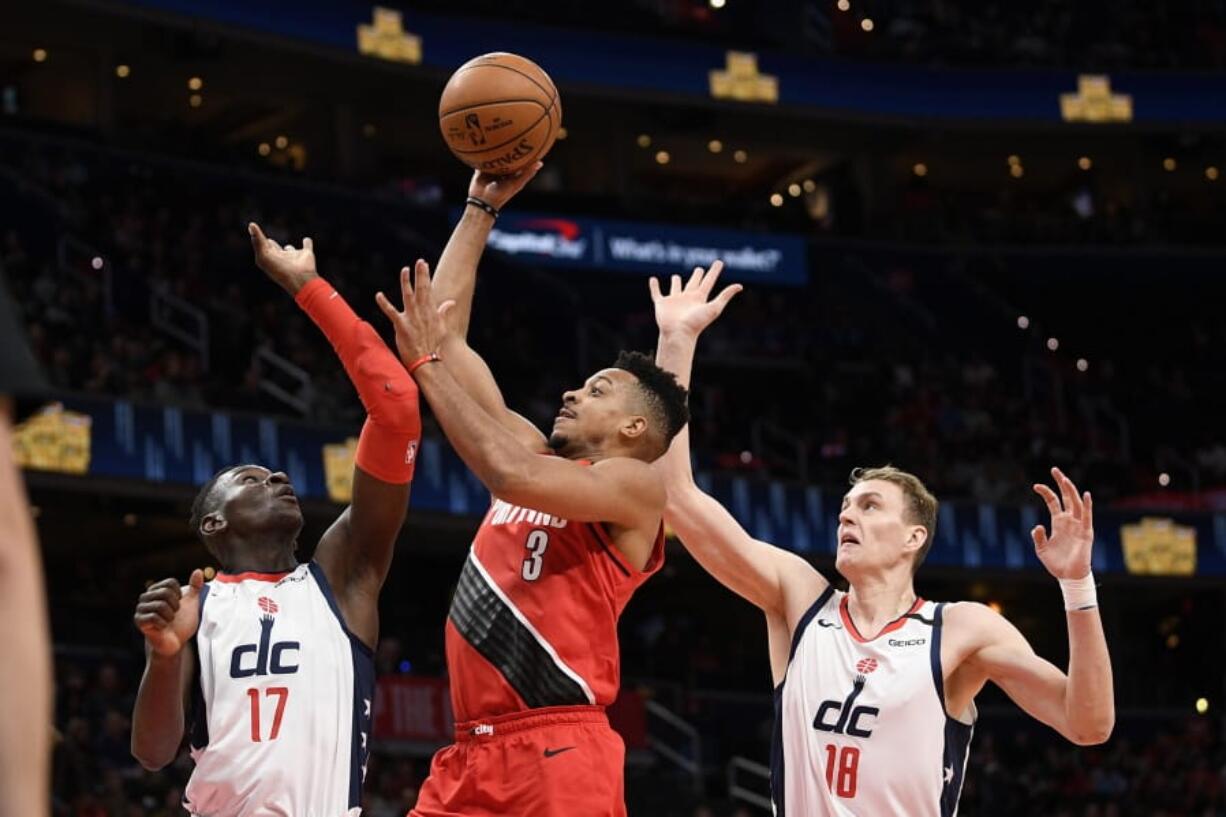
804	622
938	676
326	588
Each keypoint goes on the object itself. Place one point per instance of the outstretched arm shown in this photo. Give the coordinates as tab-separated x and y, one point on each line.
455	280
778	582
1080	704
620	490
356	551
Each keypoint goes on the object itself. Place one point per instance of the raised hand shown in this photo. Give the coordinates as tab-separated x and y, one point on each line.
289	267
420	328
686	309
1066	553
499	190
168	614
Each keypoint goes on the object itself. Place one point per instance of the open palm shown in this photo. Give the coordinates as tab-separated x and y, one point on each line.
689	309
1067	552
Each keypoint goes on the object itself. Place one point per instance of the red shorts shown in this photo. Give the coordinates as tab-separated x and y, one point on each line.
560	761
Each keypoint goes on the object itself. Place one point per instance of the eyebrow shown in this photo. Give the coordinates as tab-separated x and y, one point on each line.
247	469
847	497
602	377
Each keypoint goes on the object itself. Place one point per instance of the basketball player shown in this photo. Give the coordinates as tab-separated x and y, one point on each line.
25	673
277	655
532	633
876	687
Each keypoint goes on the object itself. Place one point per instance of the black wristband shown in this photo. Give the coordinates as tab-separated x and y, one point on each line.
483	205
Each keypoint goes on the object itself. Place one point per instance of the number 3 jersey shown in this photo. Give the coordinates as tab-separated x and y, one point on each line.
860	724
533	622
281	708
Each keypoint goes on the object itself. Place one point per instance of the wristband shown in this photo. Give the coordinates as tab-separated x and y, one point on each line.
1079	594
483	205
433	357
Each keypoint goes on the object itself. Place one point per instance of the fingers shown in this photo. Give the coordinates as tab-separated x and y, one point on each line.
445	307
1049	497
308	244
421	282
712	276
674	284
728	293
1039	534
1087	518
653	285
385	306
1068	493
406	287
197	578
695	281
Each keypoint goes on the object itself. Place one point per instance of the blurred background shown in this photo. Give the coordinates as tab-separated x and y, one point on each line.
980	239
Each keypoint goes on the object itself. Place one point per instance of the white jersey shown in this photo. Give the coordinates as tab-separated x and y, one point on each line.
283	700
860	725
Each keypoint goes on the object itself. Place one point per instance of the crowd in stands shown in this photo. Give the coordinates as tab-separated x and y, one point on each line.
867	363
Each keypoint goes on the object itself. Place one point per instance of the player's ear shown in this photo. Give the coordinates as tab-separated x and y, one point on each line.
916	537
212	523
634	427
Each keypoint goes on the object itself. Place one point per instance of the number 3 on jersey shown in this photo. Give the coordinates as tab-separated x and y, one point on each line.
538	540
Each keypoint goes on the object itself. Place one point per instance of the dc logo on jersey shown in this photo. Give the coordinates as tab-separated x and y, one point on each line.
266	657
844	717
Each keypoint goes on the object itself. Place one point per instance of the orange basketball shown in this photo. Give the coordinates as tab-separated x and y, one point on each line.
499	113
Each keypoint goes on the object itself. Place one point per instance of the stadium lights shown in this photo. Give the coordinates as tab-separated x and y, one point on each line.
123	70
715	146
1168	164
1084	163
195	84
1164	479
662	157
1017	171
368	130
644	141
920	169
776	200
740	157
281	142
844	5
809	185
794	190
97	262
1083	365
562	134
1211	173
1172	641
1053	344
265	148
130	520
195	100
867	24
1014	159
1202	706
996	607
1023	322
718	4
40	55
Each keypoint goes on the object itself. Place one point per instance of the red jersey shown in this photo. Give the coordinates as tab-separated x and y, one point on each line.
534	619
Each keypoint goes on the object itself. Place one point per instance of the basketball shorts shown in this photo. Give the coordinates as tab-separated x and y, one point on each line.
563	761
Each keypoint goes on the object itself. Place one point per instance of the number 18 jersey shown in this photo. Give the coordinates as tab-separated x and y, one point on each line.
861	728
533	622
282	704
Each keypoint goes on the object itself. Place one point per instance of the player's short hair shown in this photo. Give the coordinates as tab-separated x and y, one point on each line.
666	399
921	505
204	503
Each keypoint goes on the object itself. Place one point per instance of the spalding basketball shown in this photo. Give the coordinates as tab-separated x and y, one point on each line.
499	113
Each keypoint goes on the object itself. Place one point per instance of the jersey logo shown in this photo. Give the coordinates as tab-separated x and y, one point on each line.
828	624
844	717
908	642
266	657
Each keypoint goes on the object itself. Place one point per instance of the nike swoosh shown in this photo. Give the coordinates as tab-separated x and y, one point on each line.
823	623
552	752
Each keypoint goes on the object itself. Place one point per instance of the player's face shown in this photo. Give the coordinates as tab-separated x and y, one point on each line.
873	528
591	415
256	500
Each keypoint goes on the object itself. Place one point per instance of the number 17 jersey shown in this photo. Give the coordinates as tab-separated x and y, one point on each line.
533	622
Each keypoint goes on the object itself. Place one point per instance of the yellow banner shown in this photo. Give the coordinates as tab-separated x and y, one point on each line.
1159	547
54	440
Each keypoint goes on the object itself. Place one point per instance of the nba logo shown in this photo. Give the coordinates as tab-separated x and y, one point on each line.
475	134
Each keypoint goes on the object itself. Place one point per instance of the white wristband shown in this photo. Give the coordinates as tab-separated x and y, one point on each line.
1079	594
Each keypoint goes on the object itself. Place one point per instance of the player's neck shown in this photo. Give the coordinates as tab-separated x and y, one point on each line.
260	557
875	601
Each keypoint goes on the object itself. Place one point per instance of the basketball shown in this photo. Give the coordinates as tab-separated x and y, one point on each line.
499	113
